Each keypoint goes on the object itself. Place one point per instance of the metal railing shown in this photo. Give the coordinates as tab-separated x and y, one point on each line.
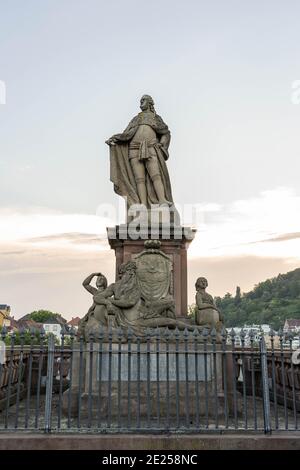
165	381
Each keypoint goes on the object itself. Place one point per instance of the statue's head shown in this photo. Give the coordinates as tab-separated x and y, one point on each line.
146	103
101	282
201	283
130	267
127	270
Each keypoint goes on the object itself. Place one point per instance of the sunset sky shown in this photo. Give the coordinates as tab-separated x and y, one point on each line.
223	76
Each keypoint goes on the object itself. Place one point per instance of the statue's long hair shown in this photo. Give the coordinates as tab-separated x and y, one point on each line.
127	286
151	103
199	280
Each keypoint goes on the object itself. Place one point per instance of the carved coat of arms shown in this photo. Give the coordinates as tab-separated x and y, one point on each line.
153	272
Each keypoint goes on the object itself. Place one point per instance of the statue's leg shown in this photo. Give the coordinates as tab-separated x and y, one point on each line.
163	306
154	173
139	175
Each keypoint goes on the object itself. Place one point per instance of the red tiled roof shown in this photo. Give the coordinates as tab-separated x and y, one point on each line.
74	322
292	322
28	324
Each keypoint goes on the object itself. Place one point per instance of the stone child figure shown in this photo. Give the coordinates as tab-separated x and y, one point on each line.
96	311
118	301
207	314
137	159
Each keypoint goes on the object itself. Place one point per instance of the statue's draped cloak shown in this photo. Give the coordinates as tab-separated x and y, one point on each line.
121	173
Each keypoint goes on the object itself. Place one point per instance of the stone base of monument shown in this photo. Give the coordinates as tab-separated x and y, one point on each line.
113	381
174	243
148	400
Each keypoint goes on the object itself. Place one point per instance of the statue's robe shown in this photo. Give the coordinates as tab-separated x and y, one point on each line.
121	173
206	313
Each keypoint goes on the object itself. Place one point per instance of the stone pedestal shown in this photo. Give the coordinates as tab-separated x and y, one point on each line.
174	243
113	382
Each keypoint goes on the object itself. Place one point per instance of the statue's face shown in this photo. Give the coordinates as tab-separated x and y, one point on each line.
100	281
144	103
202	283
130	271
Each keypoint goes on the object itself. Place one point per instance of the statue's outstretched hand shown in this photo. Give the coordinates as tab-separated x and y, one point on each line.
110	141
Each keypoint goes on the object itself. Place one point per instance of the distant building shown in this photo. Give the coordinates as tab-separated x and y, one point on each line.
29	325
265	328
251	333
54	328
52	325
4	313
291	325
11	324
74	323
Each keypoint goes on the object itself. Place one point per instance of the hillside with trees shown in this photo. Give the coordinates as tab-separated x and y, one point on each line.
271	302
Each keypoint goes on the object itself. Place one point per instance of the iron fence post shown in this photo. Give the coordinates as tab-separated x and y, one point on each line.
265	386
49	383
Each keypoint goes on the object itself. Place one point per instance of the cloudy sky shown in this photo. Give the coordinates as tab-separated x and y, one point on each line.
225	77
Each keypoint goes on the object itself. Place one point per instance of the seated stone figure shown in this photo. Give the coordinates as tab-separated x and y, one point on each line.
123	298
207	314
124	305
118	302
96	311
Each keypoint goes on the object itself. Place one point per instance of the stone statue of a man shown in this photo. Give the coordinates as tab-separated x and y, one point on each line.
138	158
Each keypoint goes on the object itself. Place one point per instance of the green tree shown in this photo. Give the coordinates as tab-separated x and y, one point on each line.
271	301
41	316
26	338
238	296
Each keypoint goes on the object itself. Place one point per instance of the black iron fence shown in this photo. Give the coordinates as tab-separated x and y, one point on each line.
164	381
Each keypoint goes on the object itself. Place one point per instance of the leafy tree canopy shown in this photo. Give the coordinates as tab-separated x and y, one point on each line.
271	301
41	316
